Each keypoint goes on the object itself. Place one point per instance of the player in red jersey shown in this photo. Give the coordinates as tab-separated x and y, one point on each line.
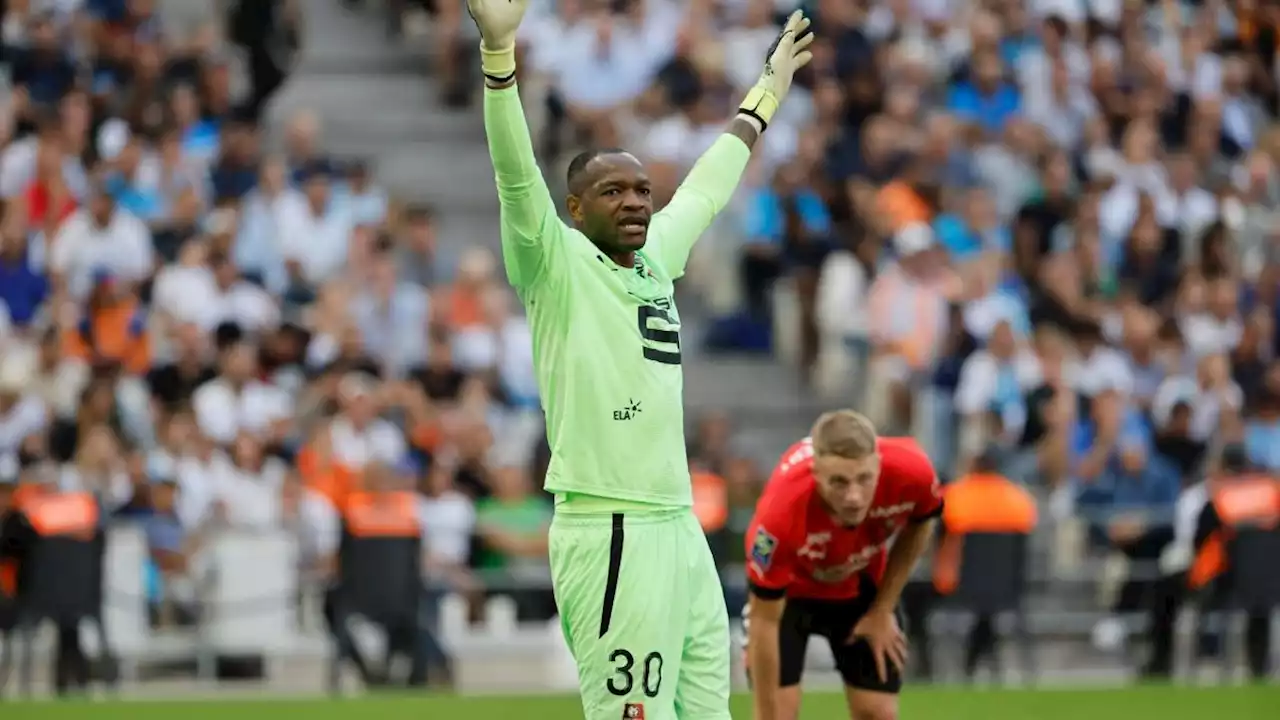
819	562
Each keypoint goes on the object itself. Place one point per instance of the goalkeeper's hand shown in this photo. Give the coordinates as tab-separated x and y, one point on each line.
498	21
787	55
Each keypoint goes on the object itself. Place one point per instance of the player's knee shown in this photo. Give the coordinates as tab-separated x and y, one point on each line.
873	706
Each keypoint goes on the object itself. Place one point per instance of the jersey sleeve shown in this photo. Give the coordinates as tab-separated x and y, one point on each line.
913	477
770	555
923	488
529	224
702	195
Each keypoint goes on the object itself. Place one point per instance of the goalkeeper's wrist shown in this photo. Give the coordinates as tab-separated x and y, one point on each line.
498	66
760	104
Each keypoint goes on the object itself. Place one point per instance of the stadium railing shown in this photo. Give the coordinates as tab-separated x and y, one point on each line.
254	603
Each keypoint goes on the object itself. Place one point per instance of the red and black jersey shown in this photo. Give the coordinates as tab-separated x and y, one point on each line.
794	545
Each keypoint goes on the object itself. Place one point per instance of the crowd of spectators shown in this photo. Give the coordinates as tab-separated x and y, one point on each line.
1047	225
260	329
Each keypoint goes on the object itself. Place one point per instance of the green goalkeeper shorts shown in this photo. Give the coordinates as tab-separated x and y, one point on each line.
644	615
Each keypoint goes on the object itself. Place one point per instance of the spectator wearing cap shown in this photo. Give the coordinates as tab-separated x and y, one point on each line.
908	315
100	240
313	237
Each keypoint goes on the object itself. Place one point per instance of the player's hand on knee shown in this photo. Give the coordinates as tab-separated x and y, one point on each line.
887	641
498	21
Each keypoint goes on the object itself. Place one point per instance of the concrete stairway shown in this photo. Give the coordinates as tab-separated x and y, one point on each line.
377	101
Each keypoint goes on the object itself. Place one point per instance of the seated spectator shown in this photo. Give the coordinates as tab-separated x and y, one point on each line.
100	241
236	401
172	545
1130	506
113	330
248	485
512	527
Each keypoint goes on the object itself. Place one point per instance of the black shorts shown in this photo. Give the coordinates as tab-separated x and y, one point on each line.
833	620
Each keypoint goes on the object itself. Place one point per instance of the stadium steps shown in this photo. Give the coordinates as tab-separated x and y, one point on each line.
377	101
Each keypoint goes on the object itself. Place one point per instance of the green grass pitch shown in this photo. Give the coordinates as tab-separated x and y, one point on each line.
1156	703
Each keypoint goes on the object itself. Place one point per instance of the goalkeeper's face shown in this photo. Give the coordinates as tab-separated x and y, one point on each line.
612	203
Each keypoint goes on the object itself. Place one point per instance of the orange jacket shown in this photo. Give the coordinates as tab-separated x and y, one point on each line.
1253	500
387	514
978	504
327	476
710	500
116	332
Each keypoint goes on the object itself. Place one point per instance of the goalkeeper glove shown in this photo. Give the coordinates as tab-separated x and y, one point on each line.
498	21
788	54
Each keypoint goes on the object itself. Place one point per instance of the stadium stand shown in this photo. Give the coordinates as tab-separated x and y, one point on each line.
246	259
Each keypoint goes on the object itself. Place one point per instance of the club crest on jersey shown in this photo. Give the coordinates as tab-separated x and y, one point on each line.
762	549
815	546
633	711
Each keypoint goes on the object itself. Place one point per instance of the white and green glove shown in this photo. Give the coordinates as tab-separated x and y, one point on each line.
787	55
498	21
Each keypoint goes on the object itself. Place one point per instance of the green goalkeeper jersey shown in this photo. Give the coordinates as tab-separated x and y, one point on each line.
606	338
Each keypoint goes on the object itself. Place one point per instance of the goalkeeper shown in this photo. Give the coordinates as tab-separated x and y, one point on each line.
638	592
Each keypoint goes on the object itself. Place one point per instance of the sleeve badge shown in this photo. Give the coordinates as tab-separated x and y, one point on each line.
762	549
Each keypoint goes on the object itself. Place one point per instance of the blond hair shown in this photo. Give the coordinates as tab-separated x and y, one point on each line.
843	433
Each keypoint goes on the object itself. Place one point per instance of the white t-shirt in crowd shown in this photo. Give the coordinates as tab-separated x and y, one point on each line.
252	498
122	248
379	441
1205	334
221	412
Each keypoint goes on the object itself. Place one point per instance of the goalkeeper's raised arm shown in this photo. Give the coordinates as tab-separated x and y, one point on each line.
525	201
711	182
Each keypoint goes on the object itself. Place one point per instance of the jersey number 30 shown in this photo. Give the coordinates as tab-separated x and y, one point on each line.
646	313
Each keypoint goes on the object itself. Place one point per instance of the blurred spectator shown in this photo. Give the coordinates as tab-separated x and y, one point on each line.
512	527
